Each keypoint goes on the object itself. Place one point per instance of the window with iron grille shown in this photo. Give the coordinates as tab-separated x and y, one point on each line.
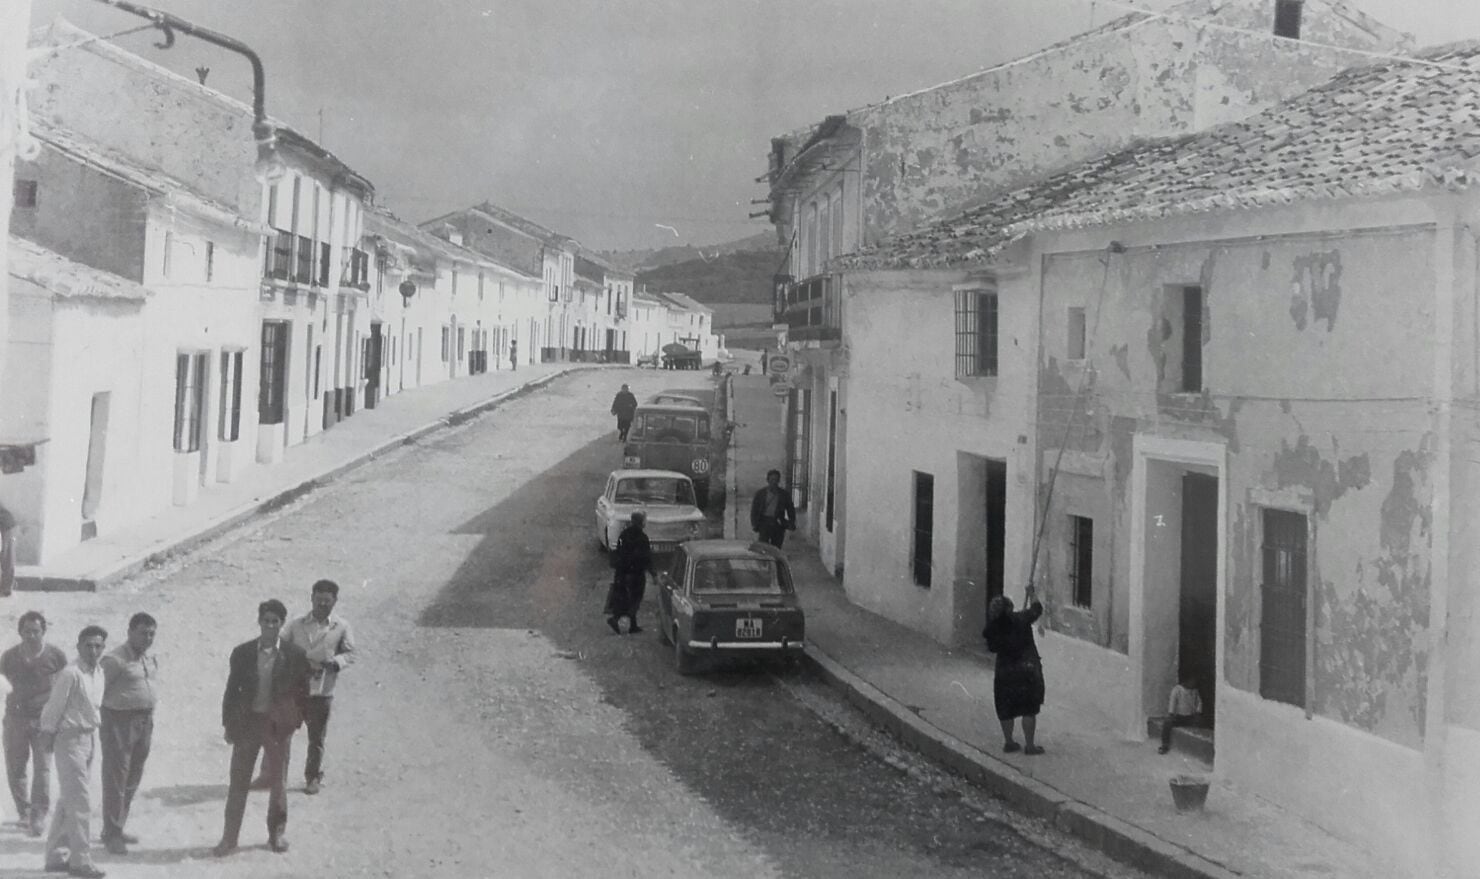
922	543
976	333
1282	630
1081	560
190	399
273	378
229	429
799	445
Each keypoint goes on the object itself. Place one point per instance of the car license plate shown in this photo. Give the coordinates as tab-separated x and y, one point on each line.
663	545
747	628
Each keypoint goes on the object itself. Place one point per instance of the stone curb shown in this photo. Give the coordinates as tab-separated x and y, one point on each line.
97	580
1118	839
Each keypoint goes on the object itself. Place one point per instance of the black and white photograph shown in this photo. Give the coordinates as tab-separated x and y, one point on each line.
1030	439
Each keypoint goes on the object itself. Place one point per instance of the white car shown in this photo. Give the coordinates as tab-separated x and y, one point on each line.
665	496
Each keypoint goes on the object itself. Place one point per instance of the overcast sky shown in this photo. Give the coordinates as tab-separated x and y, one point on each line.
602	119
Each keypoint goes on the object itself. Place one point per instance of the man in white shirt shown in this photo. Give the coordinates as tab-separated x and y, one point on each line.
69	723
330	647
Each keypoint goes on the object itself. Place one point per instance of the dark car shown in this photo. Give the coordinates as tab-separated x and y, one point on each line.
728	597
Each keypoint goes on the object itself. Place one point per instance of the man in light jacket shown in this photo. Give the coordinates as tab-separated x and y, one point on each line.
330	647
69	723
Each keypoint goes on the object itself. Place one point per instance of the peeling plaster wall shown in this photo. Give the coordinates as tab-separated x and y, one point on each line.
177	126
84	215
1281	393
945	148
907	412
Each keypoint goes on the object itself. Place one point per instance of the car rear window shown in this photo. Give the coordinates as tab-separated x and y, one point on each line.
666	427
654	490
718	576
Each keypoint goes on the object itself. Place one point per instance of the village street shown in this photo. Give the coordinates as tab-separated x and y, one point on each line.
494	726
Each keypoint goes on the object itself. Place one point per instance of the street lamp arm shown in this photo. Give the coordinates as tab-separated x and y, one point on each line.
169	23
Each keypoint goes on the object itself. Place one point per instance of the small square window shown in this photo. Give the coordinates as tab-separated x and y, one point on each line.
1076	333
1287	15
25	193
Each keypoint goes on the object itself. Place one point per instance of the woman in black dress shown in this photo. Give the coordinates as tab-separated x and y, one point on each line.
1017	687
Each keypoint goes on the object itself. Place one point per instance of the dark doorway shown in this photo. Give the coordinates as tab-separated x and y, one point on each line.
996	524
1198	612
372	367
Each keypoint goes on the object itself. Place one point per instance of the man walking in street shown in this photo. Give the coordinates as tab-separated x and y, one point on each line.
69	724
261	708
329	646
632	559
772	513
513	354
30	667
624	405
129	677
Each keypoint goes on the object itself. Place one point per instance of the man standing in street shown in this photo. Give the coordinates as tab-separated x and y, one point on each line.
69	723
261	708
30	666
513	354
129	677
772	513
632	559
624	405
329	646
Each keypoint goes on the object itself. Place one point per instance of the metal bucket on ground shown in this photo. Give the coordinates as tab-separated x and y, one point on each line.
1189	792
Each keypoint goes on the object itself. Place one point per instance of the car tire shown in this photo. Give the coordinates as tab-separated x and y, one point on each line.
683	661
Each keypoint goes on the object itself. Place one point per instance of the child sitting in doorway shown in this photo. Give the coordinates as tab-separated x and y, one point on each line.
1183	709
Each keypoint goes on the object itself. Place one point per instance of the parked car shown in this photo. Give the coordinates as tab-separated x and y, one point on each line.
666	497
671	437
728	597
674	399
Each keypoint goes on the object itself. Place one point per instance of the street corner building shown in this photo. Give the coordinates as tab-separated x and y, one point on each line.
1212	387
857	178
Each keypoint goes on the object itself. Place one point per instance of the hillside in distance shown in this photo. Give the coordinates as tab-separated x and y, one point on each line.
641	260
742	277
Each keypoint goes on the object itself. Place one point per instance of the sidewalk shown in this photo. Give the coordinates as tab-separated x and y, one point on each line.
1092	783
399	419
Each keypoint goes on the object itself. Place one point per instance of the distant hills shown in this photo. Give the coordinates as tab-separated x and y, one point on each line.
737	272
641	260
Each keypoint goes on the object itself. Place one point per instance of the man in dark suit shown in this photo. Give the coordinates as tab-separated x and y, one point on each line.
772	513
266	692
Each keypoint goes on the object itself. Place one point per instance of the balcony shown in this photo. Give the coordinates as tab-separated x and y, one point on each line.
810	308
356	269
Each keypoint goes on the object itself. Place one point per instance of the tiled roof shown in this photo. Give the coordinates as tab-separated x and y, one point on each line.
686	303
175	192
380	221
1387	128
523	224
66	279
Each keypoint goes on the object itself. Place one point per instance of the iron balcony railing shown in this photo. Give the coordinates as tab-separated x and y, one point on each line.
811	308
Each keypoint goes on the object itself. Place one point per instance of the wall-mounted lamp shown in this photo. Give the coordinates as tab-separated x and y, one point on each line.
268	167
407	290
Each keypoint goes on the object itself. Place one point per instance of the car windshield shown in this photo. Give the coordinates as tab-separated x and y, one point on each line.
654	490
665	428
712	576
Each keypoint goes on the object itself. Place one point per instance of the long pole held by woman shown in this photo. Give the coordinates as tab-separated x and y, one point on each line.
1017	686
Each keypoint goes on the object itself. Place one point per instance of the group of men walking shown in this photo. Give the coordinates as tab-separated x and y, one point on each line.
60	713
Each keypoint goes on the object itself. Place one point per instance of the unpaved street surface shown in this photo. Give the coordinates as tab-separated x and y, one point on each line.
494	726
